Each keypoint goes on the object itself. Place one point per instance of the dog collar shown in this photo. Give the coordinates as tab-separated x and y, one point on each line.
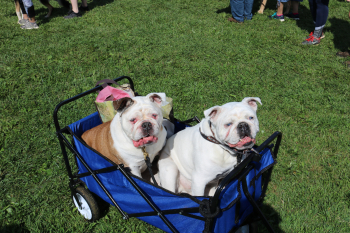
239	153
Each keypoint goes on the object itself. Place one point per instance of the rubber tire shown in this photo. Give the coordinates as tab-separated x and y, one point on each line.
91	202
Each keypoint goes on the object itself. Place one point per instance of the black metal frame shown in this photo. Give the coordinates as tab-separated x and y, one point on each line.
242	169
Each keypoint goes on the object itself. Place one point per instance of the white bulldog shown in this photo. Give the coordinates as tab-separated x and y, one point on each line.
189	162
137	124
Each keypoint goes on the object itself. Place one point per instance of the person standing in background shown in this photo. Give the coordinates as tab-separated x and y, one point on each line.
240	10
75	12
31	22
319	11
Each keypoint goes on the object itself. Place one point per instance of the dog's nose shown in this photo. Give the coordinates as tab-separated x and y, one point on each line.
243	128
146	126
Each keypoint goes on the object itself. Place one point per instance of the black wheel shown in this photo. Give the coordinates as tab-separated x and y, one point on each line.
89	208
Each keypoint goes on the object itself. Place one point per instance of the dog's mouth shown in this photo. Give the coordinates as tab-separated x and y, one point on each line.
145	141
243	142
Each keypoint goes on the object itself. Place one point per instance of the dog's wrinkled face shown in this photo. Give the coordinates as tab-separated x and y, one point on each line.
141	118
235	124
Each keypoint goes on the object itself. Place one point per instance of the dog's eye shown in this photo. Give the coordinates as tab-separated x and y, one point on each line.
251	118
154	116
133	120
229	124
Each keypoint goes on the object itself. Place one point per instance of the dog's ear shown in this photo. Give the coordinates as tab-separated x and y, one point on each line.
212	113
252	102
122	104
157	98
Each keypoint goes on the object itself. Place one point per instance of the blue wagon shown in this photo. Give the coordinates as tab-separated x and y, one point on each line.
235	203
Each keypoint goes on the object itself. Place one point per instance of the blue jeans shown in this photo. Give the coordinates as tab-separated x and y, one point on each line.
241	9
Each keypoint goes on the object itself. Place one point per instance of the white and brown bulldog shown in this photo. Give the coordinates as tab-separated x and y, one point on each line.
201	155
137	124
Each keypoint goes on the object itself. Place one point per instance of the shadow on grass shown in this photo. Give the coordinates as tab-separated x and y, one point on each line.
102	205
14	229
272	217
347	196
339	29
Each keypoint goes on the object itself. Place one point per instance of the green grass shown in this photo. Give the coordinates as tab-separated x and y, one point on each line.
189	51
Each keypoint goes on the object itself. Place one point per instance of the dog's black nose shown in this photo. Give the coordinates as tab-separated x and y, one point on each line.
146	126
243	129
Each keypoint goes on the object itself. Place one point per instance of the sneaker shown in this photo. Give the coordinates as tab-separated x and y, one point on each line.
293	16
22	21
29	25
231	19
84	8
72	14
343	54
311	41
274	16
312	35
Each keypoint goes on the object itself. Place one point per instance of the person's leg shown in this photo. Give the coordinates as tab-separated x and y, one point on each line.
75	10
237	9
295	10
24	13
18	10
48	5
31	23
295	7
321	17
248	7
286	7
319	10
312	5
83	6
84	3
280	8
28	5
279	14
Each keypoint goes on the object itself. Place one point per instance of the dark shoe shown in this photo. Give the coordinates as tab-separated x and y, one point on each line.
72	14
231	19
293	16
343	54
84	8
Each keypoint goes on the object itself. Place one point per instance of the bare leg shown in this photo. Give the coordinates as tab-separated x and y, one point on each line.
286	11
75	8
84	3
280	9
295	7
18	10
262	6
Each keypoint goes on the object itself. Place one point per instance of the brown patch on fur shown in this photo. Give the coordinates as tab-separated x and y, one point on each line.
100	139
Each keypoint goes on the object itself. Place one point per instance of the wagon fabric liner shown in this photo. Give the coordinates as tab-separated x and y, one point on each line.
234	207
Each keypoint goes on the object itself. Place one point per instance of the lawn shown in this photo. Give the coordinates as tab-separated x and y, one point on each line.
190	51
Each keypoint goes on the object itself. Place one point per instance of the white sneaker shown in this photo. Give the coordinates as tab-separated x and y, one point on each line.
29	25
22	21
